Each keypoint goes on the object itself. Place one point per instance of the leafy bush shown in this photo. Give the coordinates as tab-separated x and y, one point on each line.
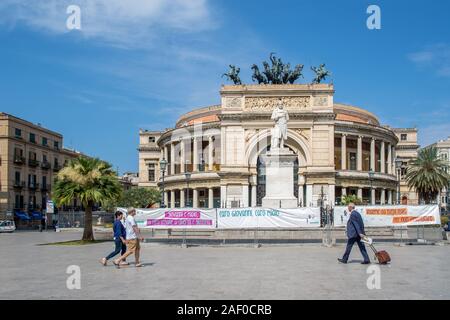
444	220
351	198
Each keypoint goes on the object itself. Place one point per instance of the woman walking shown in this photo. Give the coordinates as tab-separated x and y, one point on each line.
119	239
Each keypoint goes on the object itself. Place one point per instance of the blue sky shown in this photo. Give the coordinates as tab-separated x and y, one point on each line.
140	64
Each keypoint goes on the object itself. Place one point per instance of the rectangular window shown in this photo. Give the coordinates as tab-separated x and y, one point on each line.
18	133
56	145
44	158
151	172
352	160
403	137
17	177
56	162
44	141
32	138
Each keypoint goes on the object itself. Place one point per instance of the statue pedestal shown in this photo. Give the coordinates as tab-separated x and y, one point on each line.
279	165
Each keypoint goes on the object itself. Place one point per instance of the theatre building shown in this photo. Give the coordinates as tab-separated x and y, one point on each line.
340	149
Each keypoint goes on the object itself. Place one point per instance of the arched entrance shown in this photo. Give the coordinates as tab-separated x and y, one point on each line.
261	177
404	200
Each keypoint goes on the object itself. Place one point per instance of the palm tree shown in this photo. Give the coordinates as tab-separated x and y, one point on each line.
427	174
89	180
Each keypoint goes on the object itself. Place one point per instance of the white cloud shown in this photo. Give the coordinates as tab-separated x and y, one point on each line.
435	57
433	133
125	23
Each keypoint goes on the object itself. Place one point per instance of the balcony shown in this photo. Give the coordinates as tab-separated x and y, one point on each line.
46	187
33	186
45	165
19	159
33	163
57	167
19	184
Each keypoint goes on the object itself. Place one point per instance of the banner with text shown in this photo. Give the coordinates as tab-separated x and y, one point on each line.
242	218
182	218
388	216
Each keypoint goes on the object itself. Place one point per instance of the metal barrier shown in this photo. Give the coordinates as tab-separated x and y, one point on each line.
75	219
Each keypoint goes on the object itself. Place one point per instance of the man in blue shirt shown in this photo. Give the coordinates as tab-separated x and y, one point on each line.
355	231
119	239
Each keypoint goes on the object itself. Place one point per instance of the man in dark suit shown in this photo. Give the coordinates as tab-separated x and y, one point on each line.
355	231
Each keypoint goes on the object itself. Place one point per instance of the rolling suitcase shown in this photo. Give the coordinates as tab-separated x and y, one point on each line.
382	256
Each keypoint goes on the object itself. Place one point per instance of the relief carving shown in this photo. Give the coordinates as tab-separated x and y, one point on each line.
321	101
269	103
233	102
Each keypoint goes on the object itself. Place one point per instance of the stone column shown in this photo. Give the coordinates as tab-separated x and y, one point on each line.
309	195
389	160
331	195
373	195
210	153
166	198
245	195
182	203
195	198
254	196
172	198
301	199
172	158
383	158
223	196
393	156
210	198
383	196
195	157
301	190
359	195
389	196
359	154
182	156
372	154
344	152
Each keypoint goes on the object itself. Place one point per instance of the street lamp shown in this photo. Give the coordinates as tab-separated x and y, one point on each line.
163	166
398	166
188	177
371	174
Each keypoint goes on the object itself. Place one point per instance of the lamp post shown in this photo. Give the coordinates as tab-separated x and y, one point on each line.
371	174
187	175
162	166
398	166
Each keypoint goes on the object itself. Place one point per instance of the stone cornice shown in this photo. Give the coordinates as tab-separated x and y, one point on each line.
277	89
359	129
267	115
145	148
165	137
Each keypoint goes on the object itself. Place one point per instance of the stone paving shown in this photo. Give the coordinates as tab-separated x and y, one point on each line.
29	271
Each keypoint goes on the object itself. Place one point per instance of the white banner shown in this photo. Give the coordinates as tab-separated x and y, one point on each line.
243	218
388	216
177	218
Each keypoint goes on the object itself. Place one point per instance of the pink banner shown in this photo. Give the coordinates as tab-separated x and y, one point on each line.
182	214
178	222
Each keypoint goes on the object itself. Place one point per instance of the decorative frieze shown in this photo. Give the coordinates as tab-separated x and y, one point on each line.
269	103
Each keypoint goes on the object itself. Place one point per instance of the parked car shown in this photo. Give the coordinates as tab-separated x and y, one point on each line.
7	226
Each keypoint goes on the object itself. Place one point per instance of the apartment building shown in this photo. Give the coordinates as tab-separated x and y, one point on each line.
30	157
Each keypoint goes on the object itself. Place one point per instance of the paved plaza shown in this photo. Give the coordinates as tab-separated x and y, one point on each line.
30	271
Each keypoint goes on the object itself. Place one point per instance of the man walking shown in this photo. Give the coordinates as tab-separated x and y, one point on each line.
133	239
355	231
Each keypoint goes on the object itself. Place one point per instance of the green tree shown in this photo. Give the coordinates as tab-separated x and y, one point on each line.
90	180
426	174
140	198
351	198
